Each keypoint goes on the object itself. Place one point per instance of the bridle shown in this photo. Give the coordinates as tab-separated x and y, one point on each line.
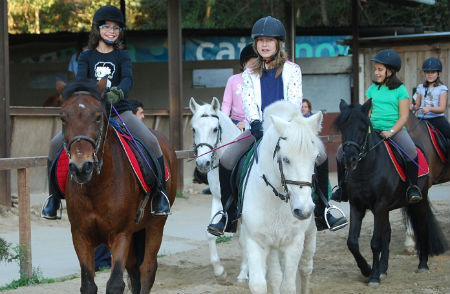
363	149
96	144
284	181
218	139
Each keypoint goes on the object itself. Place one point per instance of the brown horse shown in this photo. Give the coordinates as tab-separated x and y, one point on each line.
56	99
102	200
418	130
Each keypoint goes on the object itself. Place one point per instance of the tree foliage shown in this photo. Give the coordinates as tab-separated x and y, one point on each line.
46	16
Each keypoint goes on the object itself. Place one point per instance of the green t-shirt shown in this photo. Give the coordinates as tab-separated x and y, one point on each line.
385	107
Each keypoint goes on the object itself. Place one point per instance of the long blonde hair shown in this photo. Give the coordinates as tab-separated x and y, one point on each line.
278	61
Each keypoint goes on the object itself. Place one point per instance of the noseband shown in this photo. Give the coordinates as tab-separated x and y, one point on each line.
96	144
218	139
284	182
363	149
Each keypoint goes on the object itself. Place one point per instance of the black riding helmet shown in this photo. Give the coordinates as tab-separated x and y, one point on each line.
108	12
432	64
389	58
269	27
246	54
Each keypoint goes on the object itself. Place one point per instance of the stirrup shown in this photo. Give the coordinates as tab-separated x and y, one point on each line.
154	213
217	233
329	208
415	198
45	204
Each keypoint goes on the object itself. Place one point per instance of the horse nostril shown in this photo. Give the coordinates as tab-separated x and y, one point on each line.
88	167
208	163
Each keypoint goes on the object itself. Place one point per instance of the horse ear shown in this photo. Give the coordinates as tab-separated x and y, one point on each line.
367	106
343	105
193	105
60	85
215	104
102	86
280	124
315	121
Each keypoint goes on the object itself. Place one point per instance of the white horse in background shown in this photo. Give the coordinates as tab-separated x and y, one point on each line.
211	128
280	235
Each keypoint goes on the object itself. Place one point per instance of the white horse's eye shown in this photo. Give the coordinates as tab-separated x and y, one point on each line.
193	130
286	160
215	130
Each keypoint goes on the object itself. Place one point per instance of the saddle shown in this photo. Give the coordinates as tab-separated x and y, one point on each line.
238	181
146	176
398	160
440	143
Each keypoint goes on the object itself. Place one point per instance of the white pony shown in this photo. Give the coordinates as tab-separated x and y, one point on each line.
211	128
281	235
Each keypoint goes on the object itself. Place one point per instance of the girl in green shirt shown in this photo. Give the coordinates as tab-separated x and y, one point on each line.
390	111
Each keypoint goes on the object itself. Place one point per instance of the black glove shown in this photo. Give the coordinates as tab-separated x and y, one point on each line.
114	95
256	129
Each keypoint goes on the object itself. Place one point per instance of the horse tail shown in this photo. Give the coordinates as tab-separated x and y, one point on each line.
437	243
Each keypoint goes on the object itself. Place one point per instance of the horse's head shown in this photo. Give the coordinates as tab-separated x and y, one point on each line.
354	124
207	131
83	125
293	145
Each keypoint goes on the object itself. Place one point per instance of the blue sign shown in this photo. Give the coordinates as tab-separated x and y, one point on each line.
155	49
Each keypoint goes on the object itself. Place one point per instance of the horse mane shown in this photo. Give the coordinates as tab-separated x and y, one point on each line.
351	114
304	136
81	85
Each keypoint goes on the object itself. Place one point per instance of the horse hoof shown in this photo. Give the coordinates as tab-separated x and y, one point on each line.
222	277
421	270
242	280
373	284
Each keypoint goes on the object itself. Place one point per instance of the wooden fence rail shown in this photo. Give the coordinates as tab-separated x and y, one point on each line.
22	164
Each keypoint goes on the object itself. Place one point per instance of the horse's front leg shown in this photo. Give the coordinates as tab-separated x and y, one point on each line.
257	257
384	260
379	239
243	274
85	252
291	259
119	246
356	216
216	205
307	259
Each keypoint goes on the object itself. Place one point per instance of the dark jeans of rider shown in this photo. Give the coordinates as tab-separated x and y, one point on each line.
441	124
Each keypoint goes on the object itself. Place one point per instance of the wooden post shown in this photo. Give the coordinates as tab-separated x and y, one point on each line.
289	10
5	137
175	82
355	51
23	188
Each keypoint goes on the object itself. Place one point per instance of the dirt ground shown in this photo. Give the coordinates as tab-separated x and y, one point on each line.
335	270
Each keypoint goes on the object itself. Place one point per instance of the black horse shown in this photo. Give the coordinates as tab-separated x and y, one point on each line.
373	184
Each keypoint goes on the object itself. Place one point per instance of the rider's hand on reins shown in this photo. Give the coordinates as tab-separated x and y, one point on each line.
114	95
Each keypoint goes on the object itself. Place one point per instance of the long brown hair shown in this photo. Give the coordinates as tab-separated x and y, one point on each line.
278	61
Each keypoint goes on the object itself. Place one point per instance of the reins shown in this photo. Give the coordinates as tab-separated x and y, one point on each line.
284	182
213	148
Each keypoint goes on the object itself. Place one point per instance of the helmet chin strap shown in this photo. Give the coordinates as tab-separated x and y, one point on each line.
108	42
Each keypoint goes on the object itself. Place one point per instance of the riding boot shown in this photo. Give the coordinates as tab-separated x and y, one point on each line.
226	197
340	194
413	193
162	207
319	210
53	201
